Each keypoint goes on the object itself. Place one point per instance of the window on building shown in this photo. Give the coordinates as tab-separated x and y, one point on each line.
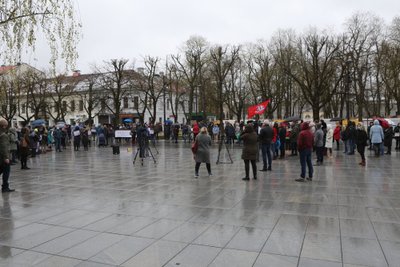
23	108
126	102
56	107
72	103
103	105
168	103
64	105
135	102
80	105
32	109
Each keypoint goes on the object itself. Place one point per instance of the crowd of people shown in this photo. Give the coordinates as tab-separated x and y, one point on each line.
300	138
272	139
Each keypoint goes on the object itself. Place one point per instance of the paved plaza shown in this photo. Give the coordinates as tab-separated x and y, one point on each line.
97	209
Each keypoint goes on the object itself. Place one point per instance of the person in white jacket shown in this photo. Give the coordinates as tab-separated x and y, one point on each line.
329	140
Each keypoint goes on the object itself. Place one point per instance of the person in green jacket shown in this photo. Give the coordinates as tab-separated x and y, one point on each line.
4	156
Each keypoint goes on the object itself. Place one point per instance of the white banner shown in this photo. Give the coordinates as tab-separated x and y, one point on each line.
123	134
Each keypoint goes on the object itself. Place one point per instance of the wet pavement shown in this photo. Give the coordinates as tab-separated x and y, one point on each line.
98	209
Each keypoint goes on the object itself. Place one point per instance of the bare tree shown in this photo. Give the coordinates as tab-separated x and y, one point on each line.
115	81
192	65
314	67
90	96
222	60
59	89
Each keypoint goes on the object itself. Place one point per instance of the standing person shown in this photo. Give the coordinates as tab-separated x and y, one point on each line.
196	130
176	133
294	134
77	138
57	138
305	147
329	141
203	152
24	148
345	138
282	138
336	135
376	136
4	156
250	151
275	140
397	136
319	144
361	142
265	137
85	139
388	136
13	141
352	137
230	133
215	131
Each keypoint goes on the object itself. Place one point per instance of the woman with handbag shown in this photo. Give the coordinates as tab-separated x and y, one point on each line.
201	151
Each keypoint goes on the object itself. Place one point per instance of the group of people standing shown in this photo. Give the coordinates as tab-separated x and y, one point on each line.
301	138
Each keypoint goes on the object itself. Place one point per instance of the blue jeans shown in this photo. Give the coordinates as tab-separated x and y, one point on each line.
266	154
5	170
305	159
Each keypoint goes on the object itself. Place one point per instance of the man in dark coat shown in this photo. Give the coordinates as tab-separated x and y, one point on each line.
250	151
4	156
265	137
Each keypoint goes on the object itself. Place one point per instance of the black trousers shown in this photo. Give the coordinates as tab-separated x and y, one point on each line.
247	167
208	165
320	154
361	151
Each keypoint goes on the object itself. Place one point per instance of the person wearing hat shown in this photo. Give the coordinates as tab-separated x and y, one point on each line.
4	156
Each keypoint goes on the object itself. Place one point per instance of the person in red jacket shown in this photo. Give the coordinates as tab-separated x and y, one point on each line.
305	146
336	135
195	130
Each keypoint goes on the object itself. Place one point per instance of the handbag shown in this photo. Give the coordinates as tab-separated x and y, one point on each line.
195	147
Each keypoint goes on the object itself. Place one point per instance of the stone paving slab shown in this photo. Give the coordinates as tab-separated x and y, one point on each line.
93	208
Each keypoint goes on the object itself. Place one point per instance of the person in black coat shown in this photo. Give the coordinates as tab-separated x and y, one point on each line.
388	134
282	138
361	142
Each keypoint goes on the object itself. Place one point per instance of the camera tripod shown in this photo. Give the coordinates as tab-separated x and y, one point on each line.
143	152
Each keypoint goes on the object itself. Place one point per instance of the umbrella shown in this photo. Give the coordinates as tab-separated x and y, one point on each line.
384	123
38	122
128	120
292	118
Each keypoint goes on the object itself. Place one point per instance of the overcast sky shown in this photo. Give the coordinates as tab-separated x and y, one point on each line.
134	28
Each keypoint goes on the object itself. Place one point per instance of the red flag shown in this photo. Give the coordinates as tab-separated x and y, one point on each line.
257	109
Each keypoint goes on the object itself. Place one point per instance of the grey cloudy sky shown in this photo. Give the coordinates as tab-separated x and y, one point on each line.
134	28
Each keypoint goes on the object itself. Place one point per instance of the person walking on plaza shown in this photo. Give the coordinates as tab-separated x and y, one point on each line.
202	154
376	136
329	141
57	138
319	144
336	135
305	147
361	142
250	151
4	156
265	137
352	137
